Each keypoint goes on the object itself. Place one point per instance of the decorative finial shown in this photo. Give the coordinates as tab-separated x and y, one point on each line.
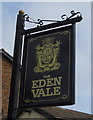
21	12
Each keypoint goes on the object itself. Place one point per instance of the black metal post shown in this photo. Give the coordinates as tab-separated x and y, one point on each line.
15	78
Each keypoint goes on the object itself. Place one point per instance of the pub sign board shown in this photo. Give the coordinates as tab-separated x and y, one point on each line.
48	70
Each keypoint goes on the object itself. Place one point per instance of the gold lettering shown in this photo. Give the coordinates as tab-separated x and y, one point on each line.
35	92
50	82
46	76
46	87
48	92
34	84
41	93
56	90
42	83
57	81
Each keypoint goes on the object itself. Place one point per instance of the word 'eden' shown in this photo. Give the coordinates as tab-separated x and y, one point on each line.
46	87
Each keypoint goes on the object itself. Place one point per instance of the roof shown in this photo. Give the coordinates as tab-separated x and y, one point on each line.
58	113
6	54
62	113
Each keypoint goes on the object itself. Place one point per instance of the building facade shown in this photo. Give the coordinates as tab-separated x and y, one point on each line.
6	65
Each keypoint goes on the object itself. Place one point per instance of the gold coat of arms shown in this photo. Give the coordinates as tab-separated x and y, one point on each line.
46	56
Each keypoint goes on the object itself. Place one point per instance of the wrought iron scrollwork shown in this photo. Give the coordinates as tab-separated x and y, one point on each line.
40	22
64	17
29	19
73	14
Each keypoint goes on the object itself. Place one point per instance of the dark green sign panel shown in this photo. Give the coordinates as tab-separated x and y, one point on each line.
48	70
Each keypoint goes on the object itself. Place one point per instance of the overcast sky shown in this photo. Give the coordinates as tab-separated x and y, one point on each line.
52	10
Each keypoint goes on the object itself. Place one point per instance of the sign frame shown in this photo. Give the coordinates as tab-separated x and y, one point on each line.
71	99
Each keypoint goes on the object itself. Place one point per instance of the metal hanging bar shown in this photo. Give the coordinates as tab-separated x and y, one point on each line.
49	26
75	17
63	17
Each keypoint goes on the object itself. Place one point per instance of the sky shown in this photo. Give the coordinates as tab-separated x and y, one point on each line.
54	10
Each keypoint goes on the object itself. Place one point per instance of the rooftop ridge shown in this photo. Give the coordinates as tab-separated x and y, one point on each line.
6	54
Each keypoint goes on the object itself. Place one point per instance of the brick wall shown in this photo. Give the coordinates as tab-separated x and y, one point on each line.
0	86
6	78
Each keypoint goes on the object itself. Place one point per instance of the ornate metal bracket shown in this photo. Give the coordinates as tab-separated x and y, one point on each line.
64	17
73	14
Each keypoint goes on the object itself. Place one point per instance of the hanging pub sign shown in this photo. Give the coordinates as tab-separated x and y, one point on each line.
48	70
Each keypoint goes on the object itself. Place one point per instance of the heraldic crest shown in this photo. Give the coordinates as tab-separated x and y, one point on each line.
46	55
